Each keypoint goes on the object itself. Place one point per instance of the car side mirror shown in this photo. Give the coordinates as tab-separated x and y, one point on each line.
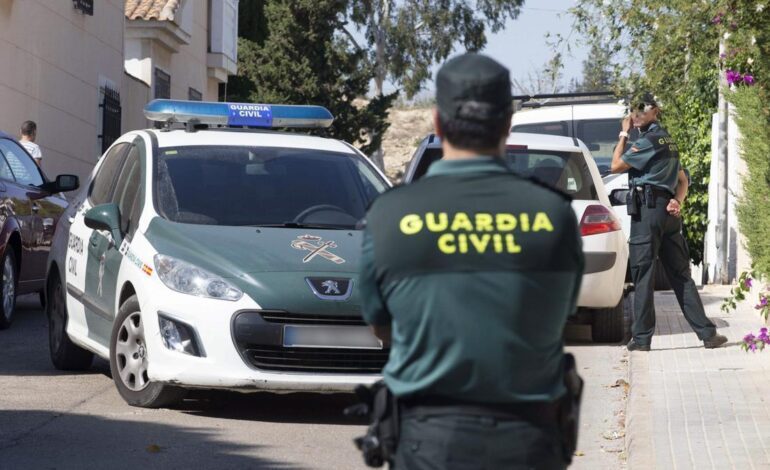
105	217
63	183
618	196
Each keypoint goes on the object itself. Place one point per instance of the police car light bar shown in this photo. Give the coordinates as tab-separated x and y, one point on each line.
238	114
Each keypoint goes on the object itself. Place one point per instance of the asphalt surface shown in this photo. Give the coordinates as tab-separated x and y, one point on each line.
57	420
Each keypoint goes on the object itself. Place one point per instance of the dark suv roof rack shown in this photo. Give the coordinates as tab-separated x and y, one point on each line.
590	97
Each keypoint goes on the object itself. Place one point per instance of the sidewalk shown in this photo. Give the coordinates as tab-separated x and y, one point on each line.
690	407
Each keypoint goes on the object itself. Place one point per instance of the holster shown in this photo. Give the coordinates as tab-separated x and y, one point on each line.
633	201
649	196
381	408
569	411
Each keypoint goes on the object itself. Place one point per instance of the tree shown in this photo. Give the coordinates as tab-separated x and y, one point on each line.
597	74
669	47
297	55
405	38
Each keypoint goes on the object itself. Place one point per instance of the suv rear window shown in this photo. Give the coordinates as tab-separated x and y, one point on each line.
565	171
235	186
548	128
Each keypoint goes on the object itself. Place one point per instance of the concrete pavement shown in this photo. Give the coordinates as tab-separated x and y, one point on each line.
690	407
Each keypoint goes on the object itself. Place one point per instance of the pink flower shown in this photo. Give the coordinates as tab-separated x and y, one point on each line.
733	77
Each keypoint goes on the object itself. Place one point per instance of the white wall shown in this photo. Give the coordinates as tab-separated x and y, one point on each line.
53	57
738	259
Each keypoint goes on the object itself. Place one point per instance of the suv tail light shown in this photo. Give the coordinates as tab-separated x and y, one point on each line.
598	219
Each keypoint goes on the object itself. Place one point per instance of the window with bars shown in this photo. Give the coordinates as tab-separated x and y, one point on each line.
194	95
111	115
84	6
162	84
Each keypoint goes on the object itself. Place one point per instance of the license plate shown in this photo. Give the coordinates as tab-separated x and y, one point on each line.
348	337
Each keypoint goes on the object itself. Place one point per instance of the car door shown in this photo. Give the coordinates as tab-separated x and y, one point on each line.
104	256
24	197
81	303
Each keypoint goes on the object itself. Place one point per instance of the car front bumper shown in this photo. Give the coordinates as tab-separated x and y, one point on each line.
225	347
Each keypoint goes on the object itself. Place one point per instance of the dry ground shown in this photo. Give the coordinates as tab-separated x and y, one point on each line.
408	126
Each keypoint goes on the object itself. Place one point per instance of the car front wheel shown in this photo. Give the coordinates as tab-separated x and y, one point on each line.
7	288
129	362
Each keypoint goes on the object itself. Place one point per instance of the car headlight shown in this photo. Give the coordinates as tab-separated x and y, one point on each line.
189	279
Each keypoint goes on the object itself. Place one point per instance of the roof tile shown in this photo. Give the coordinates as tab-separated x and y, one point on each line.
162	10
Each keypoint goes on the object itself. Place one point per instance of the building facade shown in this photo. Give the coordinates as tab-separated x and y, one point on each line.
84	69
57	56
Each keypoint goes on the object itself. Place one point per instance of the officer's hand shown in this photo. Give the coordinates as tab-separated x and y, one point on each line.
673	207
625	126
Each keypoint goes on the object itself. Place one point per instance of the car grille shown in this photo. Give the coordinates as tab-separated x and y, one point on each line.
288	318
258	337
317	359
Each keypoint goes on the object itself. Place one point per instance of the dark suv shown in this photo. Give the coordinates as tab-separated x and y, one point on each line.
30	207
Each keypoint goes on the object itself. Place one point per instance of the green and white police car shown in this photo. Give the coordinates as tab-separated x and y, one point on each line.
217	253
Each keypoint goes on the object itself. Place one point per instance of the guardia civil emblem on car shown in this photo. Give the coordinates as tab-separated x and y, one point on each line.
217	257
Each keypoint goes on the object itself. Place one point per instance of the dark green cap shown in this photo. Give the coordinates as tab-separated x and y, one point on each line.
646	101
474	87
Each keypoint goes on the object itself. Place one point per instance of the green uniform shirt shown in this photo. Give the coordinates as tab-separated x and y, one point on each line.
654	159
476	270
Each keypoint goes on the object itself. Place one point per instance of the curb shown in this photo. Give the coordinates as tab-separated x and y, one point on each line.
639	446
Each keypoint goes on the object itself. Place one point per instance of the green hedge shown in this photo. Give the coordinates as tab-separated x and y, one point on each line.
753	119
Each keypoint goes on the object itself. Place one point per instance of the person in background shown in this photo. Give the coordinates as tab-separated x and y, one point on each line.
28	136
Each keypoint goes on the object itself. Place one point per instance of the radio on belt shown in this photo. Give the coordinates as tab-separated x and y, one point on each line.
238	114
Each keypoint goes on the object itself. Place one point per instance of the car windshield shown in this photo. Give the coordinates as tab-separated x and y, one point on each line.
264	186
565	171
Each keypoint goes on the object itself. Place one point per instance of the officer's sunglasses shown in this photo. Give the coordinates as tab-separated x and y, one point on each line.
643	107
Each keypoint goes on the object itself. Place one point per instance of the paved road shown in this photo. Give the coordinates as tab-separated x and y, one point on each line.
55	420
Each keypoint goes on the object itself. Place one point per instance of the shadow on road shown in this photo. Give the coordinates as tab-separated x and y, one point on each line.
86	441
300	408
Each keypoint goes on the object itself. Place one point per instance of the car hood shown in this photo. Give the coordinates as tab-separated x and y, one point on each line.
271	265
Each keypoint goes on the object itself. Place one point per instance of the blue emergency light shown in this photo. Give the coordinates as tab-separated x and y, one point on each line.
238	114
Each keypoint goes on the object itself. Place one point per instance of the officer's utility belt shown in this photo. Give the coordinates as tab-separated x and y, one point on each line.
539	413
385	412
644	195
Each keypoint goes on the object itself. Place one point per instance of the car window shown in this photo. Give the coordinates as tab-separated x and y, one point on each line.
24	169
549	128
5	170
426	160
127	189
227	185
565	171
104	182
600	136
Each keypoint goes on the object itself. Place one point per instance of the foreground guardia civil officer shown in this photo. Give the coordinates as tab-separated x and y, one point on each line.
470	274
658	188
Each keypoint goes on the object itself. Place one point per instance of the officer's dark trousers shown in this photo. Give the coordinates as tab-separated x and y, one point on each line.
439	441
654	232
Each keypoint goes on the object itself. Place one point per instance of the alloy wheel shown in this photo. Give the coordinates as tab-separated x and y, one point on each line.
131	353
9	287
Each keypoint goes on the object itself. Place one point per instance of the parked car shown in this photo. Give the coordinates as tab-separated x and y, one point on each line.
597	124
30	206
217	257
566	165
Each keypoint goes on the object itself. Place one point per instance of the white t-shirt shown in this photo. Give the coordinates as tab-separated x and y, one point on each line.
33	150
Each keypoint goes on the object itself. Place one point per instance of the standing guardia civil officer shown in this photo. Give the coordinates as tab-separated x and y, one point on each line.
470	274
658	188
